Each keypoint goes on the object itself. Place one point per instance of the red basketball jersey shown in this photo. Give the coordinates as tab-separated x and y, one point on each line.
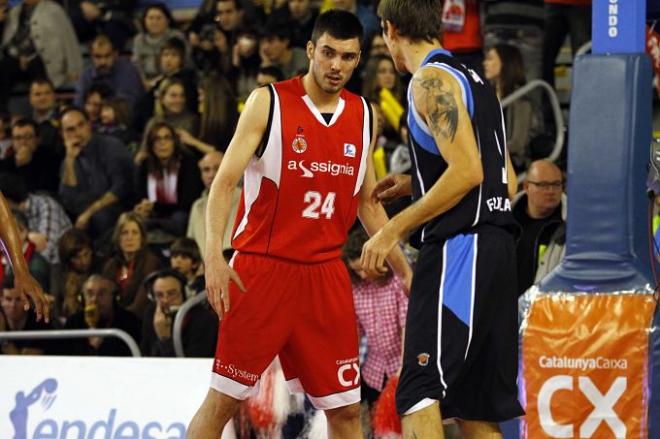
300	197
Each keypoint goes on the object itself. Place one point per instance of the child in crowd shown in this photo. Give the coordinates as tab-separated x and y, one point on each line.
186	259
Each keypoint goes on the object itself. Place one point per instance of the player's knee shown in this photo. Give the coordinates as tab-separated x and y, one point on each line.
344	415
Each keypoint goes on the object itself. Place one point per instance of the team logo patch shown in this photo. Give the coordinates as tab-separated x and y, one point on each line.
423	359
349	150
299	143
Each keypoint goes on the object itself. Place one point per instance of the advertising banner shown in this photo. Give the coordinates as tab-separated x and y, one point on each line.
584	361
99	398
618	26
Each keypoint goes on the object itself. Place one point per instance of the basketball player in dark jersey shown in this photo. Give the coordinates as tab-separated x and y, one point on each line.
460	352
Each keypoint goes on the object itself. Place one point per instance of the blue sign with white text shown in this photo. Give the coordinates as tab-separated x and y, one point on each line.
618	26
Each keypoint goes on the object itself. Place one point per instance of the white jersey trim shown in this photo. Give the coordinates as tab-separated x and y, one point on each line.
230	387
366	144
317	114
335	400
269	165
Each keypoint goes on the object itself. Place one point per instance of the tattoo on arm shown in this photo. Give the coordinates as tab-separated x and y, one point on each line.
441	107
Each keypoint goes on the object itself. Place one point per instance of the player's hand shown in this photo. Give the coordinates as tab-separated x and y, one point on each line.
218	275
30	288
376	250
392	187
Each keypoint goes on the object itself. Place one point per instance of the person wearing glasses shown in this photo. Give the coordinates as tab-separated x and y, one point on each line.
540	211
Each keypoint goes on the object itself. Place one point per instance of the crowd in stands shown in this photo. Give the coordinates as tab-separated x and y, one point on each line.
114	119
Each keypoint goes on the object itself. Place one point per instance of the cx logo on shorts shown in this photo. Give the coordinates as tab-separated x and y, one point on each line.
341	375
603	407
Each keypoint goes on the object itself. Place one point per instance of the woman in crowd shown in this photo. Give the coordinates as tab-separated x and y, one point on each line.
168	182
218	117
384	87
131	263
157	28
504	68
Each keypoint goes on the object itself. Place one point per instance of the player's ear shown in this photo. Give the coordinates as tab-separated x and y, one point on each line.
310	50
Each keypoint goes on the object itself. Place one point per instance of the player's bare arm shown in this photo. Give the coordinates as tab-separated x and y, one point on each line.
438	100
512	178
247	137
23	280
373	217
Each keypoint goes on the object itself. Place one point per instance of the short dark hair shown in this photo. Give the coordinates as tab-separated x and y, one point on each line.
13	187
273	71
186	247
277	28
151	279
73	109
26	122
418	20
102	40
176	45
162	7
71	243
237	3
341	25
103	90
42	81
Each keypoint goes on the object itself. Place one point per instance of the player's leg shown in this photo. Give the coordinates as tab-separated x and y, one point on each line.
424	423
211	418
344	422
479	430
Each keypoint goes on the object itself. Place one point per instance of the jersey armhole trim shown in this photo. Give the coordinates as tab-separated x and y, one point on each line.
264	139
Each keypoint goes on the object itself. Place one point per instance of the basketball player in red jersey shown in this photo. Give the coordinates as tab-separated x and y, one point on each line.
304	146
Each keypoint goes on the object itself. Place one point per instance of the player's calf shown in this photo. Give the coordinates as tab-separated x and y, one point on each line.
479	430
344	422
211	418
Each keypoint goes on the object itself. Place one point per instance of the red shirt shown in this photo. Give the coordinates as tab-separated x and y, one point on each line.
300	197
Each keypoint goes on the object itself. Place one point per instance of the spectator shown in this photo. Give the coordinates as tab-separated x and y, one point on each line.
14	317
186	259
157	28
504	68
38	42
218	117
209	166
5	134
101	309
519	23
246	61
46	115
380	307
75	254
201	28
101	17
302	15
377	46
29	160
94	97
115	121
171	107
229	17
562	18
367	17
111	70
131	263
269	74
37	264
46	218
96	174
381	77
200	327
539	211
275	49
167	183
172	59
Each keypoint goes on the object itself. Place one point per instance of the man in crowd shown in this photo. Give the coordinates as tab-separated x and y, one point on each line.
45	114
276	50
301	14
14	317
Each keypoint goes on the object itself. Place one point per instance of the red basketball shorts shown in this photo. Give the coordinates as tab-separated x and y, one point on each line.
302	312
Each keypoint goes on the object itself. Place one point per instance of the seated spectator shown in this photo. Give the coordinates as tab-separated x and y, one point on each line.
115	121
540	211
201	28
186	259
504	68
269	74
111	70
38	42
377	46
14	317
167	182
45	113
171	107
383	86
302	15
37	264
93	100
275	49
209	166
5	134
34	164
230	17
218	118
112	18
75	254
364	13
245	60
157	28
46	219
380	307
131	262
101	309
172	66
200	327
97	173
